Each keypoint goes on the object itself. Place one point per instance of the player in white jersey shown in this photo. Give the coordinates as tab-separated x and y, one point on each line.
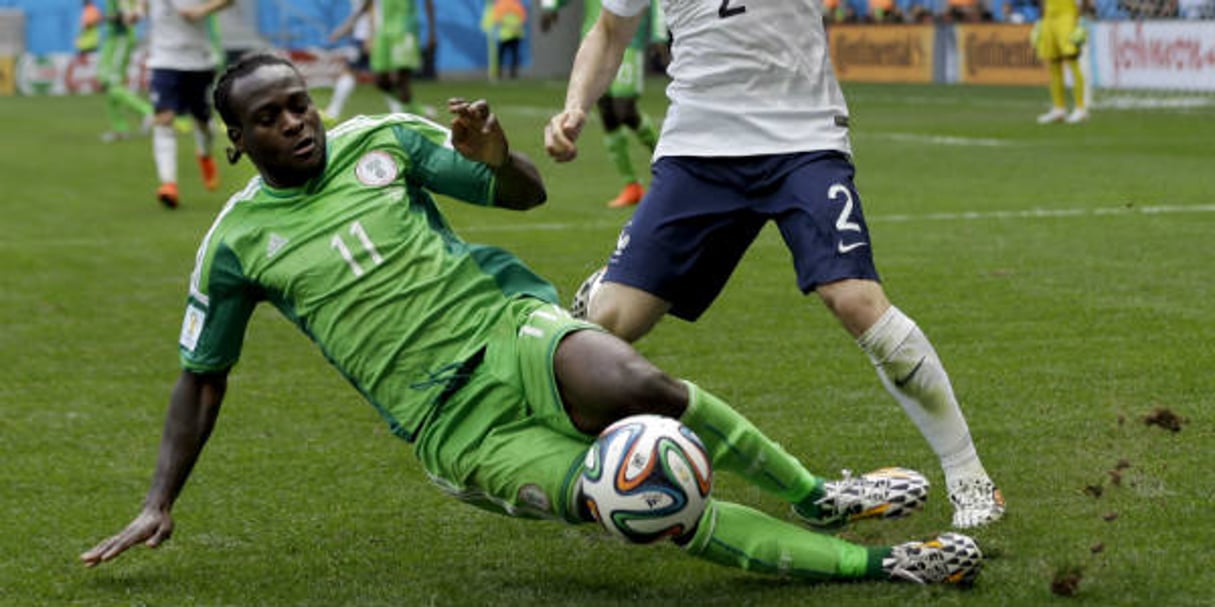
359	60
757	131
183	59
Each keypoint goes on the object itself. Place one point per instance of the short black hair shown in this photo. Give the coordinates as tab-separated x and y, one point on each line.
242	67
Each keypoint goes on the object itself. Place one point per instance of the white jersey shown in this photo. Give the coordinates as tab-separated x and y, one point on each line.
748	78
362	26
175	43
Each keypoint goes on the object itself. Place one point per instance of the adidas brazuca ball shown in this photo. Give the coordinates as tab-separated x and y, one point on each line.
647	477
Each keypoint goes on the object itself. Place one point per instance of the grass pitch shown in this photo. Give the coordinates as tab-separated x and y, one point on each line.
1064	274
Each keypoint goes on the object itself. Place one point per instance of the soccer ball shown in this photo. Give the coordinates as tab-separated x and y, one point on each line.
580	308
647	477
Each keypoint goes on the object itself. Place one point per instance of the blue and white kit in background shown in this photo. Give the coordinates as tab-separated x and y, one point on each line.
175	43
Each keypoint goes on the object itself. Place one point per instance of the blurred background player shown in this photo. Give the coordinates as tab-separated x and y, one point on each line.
117	44
183	57
505	22
618	106
395	49
1058	37
89	35
359	60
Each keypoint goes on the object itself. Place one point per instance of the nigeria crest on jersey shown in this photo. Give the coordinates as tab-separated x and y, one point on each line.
376	168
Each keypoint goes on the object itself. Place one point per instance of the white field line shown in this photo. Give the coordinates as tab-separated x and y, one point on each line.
938	139
1129	209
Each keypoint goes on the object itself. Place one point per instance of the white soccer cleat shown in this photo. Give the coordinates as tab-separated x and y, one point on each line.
976	502
884	493
952	558
1056	114
1078	115
580	307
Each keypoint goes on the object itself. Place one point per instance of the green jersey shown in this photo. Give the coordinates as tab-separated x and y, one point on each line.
363	262
395	17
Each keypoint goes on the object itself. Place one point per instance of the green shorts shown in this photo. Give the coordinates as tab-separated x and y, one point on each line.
503	441
395	51
115	57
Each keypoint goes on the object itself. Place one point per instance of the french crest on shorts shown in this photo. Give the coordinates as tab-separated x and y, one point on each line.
376	168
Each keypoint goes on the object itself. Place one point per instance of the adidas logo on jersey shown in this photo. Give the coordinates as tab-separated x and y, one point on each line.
275	244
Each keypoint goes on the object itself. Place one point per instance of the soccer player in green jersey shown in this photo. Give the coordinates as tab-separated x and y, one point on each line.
395	47
460	347
618	106
117	43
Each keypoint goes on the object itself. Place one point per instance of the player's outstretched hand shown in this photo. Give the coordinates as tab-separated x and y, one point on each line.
476	133
152	527
561	133
193	13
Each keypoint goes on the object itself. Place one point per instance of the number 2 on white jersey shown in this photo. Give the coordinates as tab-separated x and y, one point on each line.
725	10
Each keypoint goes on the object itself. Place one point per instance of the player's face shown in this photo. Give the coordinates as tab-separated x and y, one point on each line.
280	128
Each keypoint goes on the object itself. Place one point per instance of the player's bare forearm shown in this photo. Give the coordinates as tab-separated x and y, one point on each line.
519	185
193	408
196	13
595	67
477	135
598	59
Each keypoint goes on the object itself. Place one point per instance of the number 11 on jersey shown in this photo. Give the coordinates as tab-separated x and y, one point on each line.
356	230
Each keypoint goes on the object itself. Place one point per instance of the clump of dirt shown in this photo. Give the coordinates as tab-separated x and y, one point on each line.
1067	582
1165	418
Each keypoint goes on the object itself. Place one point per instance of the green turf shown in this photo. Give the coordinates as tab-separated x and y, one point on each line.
1064	274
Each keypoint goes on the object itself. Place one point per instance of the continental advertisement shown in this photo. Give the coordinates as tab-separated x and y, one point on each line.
884	53
990	53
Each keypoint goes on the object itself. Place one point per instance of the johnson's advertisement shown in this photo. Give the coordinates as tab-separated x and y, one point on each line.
1154	55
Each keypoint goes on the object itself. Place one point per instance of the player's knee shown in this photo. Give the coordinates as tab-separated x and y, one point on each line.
622	317
856	303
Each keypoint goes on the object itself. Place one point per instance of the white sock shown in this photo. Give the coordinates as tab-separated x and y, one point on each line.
341	92
394	105
911	371
202	138
164	151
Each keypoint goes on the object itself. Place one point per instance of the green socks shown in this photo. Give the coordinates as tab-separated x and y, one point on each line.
646	133
737	536
618	150
735	444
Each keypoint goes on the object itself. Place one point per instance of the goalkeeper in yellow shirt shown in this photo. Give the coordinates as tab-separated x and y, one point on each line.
1058	37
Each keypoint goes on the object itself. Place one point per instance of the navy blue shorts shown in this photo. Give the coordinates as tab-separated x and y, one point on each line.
182	92
362	58
701	214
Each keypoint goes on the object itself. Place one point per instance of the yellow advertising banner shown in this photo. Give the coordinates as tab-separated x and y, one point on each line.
998	53
882	53
8	75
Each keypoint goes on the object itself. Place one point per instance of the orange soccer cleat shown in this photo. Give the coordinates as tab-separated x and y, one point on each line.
167	195
629	196
210	173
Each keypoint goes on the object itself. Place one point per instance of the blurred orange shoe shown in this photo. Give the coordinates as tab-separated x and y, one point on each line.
629	196
210	173
167	195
